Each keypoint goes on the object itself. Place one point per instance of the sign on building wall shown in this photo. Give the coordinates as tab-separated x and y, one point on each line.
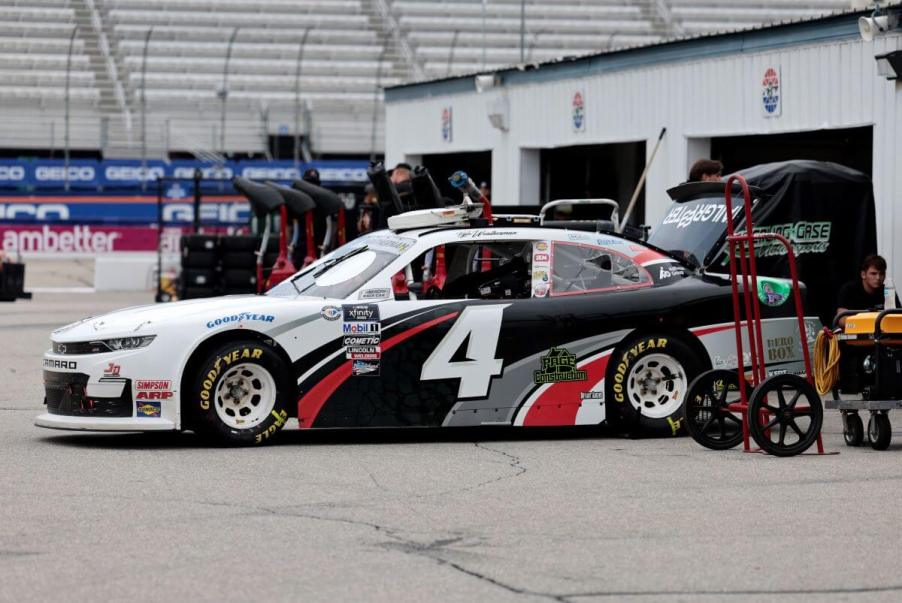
446	124
771	92
578	111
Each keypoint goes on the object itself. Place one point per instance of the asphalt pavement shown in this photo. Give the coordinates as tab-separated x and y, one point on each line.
394	515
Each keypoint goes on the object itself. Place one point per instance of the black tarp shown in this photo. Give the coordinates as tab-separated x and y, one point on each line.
825	209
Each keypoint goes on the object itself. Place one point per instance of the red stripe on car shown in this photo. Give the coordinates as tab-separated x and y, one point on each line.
559	404
312	402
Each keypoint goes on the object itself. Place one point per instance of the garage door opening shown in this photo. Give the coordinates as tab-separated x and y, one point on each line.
851	147
593	171
477	165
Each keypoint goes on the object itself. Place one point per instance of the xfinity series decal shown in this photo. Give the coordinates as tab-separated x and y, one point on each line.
240	318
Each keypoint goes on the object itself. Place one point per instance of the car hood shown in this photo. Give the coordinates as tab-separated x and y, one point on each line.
200	313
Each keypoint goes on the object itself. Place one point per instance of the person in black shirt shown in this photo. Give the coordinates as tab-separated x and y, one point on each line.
866	292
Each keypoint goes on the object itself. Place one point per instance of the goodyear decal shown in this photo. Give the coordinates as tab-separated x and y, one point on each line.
628	356
221	363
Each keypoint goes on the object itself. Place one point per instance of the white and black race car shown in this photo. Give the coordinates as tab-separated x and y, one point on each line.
432	326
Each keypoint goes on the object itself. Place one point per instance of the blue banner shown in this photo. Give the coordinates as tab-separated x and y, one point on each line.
123	192
129	175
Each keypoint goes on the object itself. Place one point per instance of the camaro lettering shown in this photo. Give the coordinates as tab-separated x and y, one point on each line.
240	318
63	364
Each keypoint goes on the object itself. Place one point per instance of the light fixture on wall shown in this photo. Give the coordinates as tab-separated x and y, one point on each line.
878	23
485	82
889	64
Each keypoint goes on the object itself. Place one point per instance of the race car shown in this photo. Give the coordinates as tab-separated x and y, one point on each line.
430	323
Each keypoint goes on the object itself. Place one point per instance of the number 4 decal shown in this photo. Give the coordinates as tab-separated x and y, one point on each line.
479	327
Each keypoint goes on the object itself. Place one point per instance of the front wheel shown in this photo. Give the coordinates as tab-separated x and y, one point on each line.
241	394
647	380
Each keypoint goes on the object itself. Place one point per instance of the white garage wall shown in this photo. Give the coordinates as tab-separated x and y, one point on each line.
831	84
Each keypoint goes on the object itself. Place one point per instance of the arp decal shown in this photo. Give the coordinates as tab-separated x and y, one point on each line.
330	312
158	395
558	365
148	409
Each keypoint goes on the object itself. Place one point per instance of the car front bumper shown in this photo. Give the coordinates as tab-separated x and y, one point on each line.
105	424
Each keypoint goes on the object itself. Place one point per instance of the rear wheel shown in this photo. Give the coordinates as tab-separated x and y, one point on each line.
241	394
647	381
880	432
707	417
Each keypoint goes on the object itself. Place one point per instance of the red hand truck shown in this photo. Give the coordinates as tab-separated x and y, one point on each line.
782	413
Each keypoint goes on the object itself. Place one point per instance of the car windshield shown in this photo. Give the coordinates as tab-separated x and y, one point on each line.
691	230
346	269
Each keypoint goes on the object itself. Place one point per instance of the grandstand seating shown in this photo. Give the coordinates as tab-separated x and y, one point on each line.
352	48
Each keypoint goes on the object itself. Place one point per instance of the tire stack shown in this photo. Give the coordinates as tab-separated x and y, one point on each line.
239	264
227	265
200	266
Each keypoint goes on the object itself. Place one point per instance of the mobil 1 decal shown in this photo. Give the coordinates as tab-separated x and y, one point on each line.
362	338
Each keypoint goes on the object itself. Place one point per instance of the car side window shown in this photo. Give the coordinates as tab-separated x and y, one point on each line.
469	270
578	268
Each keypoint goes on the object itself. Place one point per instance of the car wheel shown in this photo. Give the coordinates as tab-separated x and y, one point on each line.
647	381
241	394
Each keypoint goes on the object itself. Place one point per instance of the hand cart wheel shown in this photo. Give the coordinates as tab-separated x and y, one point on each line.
785	415
880	432
853	428
708	419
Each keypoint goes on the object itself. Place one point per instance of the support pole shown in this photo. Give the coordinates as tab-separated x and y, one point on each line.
297	102
224	91
68	73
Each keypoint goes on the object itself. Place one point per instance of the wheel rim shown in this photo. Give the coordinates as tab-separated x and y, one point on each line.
708	419
655	385
245	396
785	415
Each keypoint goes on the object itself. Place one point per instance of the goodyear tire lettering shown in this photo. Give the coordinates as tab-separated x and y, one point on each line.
631	354
213	374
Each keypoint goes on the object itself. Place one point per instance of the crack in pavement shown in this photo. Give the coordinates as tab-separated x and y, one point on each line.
733	593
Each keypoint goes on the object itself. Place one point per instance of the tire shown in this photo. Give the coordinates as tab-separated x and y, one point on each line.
853	429
243	260
880	432
199	242
200	277
198	259
197	292
706	417
239	243
775	407
240	278
240	394
637	406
